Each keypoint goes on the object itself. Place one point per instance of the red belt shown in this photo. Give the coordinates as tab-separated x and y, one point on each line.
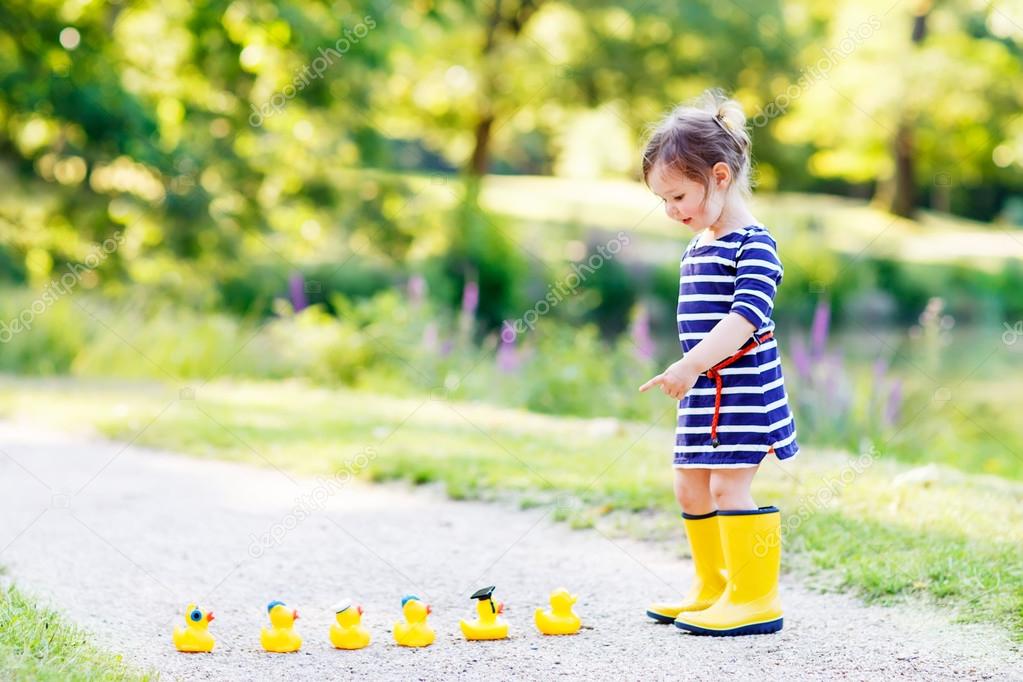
713	373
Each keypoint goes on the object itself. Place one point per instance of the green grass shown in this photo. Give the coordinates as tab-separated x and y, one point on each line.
573	207
35	644
888	533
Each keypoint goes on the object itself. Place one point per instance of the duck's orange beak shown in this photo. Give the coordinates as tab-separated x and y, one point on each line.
359	609
500	607
294	614
209	616
429	609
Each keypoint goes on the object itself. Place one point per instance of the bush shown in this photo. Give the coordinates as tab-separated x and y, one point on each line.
39	336
250	290
481	251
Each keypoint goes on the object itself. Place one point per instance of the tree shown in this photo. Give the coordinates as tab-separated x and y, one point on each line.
915	105
479	81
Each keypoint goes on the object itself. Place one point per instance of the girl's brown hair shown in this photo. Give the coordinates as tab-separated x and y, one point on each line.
698	134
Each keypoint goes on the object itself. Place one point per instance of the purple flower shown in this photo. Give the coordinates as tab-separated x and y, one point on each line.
296	290
894	404
819	331
470	297
641	338
801	359
844	392
507	353
880	369
832	364
430	337
416	289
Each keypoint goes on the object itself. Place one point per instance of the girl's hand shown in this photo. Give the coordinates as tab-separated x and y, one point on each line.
674	381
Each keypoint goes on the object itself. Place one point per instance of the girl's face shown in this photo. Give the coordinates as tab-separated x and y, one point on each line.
684	197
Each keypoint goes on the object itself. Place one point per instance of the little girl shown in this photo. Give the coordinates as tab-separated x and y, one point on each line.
732	409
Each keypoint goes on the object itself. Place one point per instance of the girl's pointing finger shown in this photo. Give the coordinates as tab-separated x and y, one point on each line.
657	380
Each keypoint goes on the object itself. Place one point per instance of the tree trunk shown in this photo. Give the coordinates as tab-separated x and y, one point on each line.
904	192
903	197
480	161
510	23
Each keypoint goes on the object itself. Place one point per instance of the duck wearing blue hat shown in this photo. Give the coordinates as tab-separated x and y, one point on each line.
414	631
280	637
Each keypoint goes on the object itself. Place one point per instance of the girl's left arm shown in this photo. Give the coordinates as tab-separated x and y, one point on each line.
724	339
758	272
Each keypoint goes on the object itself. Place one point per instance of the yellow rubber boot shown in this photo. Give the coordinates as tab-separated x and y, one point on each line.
708	584
749	605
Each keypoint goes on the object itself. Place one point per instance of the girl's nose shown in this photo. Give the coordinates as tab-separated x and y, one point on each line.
669	209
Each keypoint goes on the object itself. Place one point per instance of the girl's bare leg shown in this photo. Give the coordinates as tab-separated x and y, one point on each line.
730	488
693	492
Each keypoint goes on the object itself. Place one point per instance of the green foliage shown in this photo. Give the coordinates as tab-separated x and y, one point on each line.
482	251
249	289
615	291
886	562
145	118
391	345
955	90
40	338
379	341
37	645
572	371
174	344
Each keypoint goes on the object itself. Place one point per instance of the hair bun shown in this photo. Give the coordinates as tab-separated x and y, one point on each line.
731	113
696	135
728	113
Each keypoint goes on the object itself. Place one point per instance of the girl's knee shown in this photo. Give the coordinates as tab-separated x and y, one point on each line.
730	492
687	498
725	493
693	496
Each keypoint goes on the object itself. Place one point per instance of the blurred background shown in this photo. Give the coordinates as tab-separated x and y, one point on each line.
418	197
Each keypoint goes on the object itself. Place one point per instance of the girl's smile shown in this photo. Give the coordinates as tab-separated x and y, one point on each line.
684	198
714	210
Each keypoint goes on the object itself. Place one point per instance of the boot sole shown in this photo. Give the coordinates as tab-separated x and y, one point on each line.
765	628
666	619
660	617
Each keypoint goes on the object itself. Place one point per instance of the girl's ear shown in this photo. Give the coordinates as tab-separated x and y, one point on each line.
722	175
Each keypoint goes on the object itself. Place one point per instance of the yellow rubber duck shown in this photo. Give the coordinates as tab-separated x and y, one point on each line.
561	619
414	631
281	637
488	625
348	632
195	637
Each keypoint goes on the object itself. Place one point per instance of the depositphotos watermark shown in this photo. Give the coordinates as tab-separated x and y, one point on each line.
310	502
311	71
565	287
61	286
821	498
1012	332
818	71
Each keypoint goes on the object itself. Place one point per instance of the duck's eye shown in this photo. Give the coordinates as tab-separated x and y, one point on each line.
195	615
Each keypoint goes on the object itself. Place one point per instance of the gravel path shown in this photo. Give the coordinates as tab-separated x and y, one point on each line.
147	532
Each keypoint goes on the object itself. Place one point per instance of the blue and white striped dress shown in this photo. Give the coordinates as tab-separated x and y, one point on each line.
738	273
